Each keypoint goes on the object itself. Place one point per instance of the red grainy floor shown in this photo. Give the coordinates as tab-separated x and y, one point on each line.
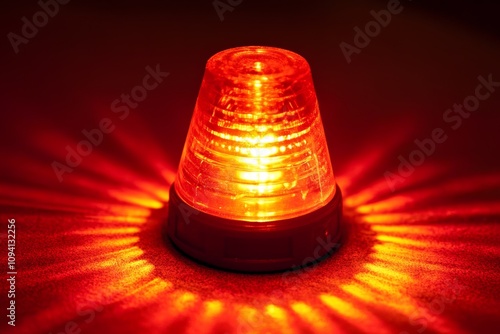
90	250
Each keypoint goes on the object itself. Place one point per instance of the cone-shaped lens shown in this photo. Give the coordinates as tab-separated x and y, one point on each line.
256	149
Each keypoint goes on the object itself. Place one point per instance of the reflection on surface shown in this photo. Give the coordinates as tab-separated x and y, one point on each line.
96	241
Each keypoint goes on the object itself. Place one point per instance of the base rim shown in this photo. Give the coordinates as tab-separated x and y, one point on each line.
311	237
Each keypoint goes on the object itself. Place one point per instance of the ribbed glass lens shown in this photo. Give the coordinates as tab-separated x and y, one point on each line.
256	149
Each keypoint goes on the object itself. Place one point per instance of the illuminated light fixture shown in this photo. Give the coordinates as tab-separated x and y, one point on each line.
255	189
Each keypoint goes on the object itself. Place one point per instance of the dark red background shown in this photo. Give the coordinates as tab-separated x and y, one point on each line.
90	251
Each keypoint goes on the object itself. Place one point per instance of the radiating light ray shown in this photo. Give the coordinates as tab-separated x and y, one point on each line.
383	218
107	231
280	319
366	195
379	295
128	210
138	295
380	187
384	285
346	180
314	318
248	320
342	307
113	243
209	313
396	260
403	229
97	173
95	251
212	308
121	257
53	200
156	158
168	175
115	219
436	215
158	191
387	205
183	300
135	197
147	292
125	291
39	197
361	319
455	187
388	248
433	254
141	266
402	241
384	271
393	296
359	292
86	264
129	276
356	169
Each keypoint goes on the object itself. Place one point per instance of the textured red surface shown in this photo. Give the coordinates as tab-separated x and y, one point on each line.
90	251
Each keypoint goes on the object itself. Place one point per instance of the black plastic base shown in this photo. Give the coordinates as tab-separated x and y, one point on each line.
255	246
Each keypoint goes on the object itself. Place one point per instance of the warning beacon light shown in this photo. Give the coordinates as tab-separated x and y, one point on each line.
255	189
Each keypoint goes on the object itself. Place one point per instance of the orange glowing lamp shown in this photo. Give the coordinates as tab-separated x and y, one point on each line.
255	190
